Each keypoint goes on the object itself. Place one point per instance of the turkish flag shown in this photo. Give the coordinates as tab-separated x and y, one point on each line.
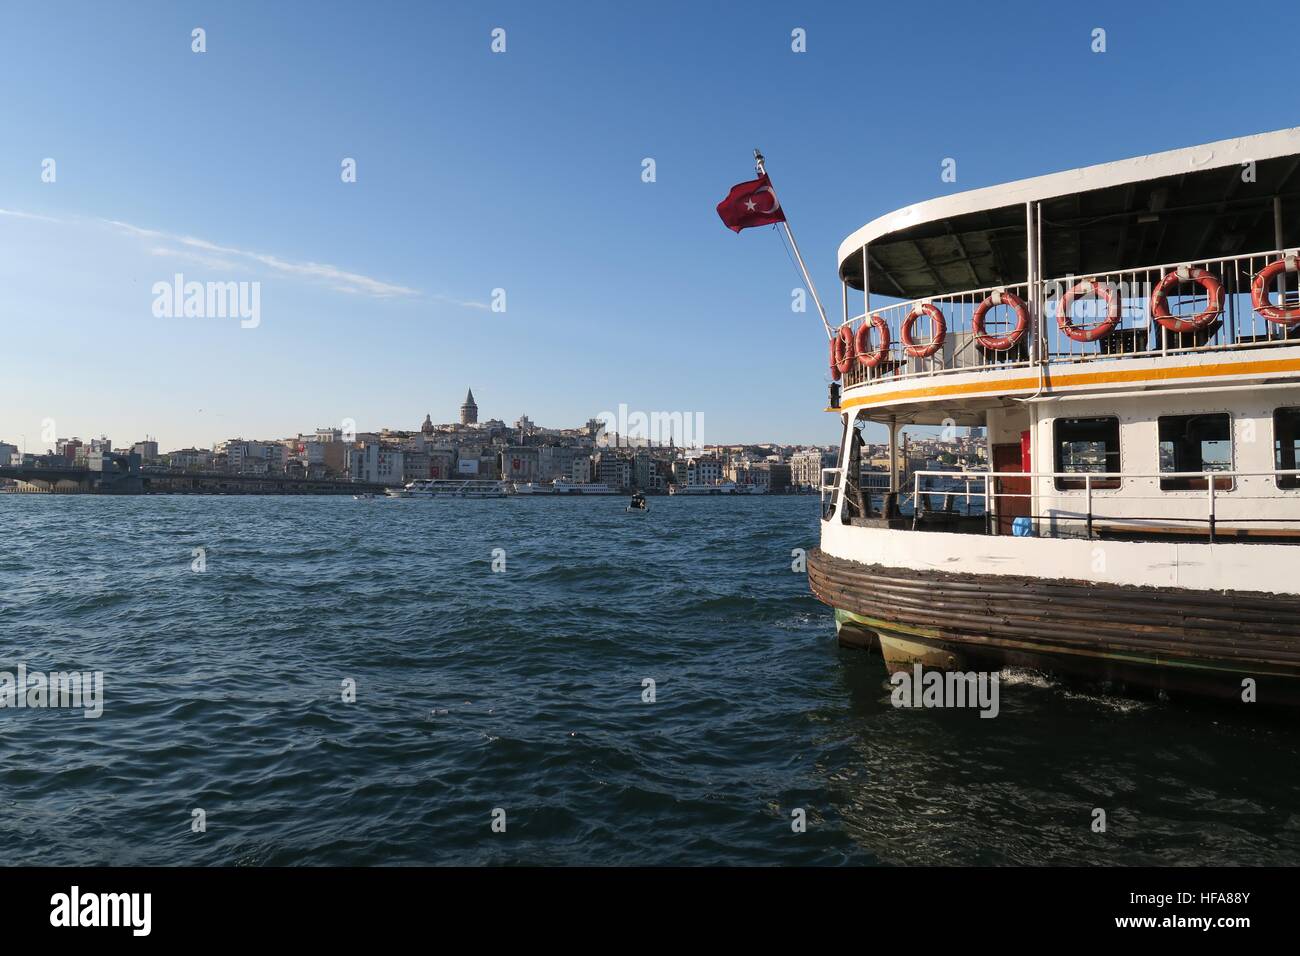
750	204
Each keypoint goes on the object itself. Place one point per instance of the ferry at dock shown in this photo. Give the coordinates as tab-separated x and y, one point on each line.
1127	338
533	488
451	488
563	486
722	488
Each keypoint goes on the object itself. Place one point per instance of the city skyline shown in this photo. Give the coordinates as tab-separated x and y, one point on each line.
479	179
511	421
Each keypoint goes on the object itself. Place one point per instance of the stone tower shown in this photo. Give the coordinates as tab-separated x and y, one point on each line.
468	410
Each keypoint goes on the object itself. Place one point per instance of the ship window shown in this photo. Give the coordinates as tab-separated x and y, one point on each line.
1286	445
1195	443
1087	445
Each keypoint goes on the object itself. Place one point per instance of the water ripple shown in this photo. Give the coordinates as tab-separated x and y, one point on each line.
523	691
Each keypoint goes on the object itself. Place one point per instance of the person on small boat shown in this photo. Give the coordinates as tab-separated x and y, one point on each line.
638	502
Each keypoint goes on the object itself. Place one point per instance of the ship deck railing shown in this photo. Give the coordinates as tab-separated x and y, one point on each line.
1137	335
1091	505
829	491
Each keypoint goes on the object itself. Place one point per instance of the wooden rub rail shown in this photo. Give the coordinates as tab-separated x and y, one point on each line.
1237	628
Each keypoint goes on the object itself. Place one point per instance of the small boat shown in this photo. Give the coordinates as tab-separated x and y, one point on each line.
365	497
638	503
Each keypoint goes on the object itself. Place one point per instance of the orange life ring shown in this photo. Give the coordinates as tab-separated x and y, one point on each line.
1160	299
1259	291
909	323
1000	343
842	351
872	358
1102	290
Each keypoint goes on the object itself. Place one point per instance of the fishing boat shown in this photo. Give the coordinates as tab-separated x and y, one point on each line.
1127	338
638	503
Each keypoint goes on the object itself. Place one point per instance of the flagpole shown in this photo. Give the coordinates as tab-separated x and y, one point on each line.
762	171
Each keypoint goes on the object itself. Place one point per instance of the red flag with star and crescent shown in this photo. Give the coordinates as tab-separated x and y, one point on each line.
750	204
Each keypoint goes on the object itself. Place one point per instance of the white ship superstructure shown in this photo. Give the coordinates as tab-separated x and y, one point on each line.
1128	336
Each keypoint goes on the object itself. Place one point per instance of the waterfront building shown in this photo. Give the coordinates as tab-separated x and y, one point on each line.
750	474
558	461
375	462
704	470
642	470
442	461
191	459
806	468
778	477
67	448
580	470
613	470
415	464
252	457
325	456
147	450
519	463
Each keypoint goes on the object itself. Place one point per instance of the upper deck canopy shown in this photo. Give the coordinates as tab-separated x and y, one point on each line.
1166	207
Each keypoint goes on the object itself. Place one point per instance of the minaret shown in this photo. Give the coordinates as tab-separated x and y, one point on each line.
469	410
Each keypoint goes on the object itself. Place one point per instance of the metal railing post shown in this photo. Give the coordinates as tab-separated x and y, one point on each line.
1087	487
916	499
990	504
1210	491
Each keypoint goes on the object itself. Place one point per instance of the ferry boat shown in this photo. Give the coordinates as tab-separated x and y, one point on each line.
723	488
563	486
451	488
1127	336
533	488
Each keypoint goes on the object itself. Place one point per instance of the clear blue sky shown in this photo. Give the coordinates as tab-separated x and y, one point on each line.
522	171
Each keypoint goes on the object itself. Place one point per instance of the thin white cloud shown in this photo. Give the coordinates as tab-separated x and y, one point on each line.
172	245
27	215
135	230
210	262
333	275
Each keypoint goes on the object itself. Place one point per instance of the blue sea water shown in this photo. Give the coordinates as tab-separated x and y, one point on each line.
521	690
